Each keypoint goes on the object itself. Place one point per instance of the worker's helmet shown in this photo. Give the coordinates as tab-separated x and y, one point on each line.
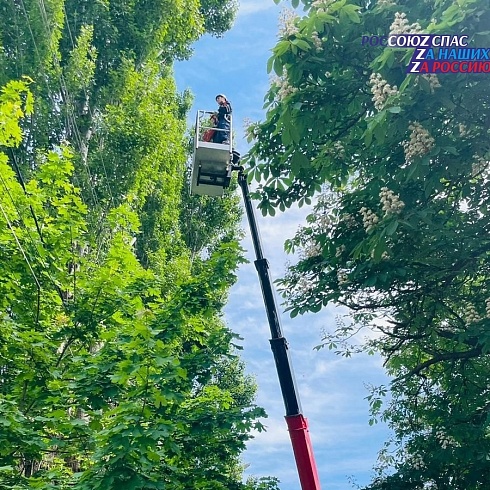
221	95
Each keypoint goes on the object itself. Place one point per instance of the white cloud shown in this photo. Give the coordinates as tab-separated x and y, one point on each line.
250	7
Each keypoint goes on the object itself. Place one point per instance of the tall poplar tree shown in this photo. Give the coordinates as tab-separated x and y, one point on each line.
116	369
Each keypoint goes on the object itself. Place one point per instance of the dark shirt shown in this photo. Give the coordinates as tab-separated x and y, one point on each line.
224	112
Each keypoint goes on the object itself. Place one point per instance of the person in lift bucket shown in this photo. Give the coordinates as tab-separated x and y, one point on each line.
224	120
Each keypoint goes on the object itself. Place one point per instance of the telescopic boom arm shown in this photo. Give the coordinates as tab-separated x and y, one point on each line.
297	424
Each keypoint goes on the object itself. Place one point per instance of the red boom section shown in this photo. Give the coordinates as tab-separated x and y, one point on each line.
303	452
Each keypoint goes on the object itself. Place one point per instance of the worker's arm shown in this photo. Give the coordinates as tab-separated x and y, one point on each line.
224	109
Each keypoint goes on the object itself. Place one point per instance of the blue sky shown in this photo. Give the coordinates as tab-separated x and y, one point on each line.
332	389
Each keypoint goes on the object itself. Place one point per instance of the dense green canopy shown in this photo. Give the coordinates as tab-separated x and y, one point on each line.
397	169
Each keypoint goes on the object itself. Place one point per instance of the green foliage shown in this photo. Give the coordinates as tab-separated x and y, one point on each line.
262	484
140	156
15	103
115	377
397	168
74	50
218	16
116	370
80	69
205	222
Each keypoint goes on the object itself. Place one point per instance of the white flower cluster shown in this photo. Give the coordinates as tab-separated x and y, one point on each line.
417	462
304	285
339	149
471	315
427	486
421	142
369	219
323	222
463	130
386	3
392	204
433	81
401	26
479	166
317	41
342	277
321	5
381	90
287	23
445	440
487	307
284	89
339	251
310	250
349	220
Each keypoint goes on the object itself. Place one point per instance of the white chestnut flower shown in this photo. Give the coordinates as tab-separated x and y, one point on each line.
310	250
479	165
342	277
471	315
284	88
369	219
381	90
433	81
287	23
401	25
420	143
391	203
487	307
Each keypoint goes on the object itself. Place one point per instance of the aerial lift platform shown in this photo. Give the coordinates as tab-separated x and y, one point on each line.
212	162
212	167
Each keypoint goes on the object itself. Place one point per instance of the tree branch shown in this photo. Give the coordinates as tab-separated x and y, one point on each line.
446	356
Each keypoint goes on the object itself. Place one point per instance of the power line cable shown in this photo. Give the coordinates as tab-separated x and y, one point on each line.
31	240
71	121
66	96
19	246
89	109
